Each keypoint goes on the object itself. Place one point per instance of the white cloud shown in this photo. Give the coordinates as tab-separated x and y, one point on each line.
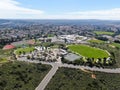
12	9
113	14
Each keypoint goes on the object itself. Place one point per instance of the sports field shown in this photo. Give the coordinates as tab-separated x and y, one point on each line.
26	50
88	51
103	32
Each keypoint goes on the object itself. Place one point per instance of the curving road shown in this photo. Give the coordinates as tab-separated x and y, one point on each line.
47	78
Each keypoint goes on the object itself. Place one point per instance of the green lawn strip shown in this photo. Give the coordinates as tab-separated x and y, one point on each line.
88	51
22	75
103	32
76	79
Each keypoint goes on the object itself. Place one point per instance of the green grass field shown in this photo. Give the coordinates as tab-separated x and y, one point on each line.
88	51
26	50
96	41
103	32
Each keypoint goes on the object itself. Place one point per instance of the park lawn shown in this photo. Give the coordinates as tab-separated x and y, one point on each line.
116	45
96	41
76	79
88	51
26	50
22	75
103	33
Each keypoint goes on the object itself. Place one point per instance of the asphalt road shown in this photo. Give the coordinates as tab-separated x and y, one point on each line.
47	78
116	70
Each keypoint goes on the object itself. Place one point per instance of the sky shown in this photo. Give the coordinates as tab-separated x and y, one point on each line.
60	9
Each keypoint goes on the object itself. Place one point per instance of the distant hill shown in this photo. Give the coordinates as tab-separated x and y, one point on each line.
4	21
61	22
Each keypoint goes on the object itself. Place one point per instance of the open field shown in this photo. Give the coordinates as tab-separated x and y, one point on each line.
103	32
26	50
88	51
96	41
21	75
75	79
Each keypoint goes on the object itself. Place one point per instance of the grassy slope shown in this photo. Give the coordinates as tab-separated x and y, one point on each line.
72	79
87	51
103	32
21	75
3	60
116	45
4	55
